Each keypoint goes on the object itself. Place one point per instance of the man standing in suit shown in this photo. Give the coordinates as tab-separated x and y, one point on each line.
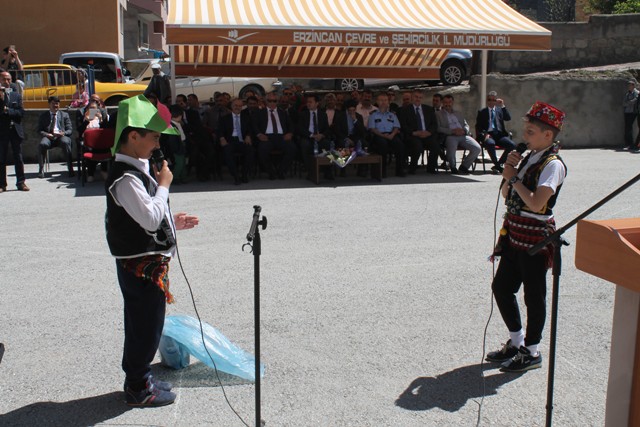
313	133
11	131
419	125
490	130
273	129
452	124
235	138
55	128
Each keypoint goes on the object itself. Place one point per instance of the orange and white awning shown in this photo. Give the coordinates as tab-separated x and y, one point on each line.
277	34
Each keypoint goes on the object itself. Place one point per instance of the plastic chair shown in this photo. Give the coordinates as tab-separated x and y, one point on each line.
96	147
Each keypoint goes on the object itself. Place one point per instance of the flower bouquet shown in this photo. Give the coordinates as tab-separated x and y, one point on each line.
340	157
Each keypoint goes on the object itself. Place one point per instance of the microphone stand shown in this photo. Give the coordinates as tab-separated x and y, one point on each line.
256	249
557	241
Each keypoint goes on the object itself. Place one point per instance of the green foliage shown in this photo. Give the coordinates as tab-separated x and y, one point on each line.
628	6
560	10
602	6
614	6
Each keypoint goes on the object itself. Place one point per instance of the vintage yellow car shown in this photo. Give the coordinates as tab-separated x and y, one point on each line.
44	80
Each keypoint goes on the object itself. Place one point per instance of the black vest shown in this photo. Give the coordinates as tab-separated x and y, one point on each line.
125	237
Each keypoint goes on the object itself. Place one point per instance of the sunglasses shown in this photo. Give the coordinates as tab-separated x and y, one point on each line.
272	100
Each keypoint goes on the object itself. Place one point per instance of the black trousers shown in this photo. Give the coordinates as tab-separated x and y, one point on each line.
518	268
237	147
629	118
282	163
383	146
144	310
6	139
415	147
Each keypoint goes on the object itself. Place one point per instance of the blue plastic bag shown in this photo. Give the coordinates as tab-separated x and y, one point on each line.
181	337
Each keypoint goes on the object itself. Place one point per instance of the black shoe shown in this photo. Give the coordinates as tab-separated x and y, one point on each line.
401	174
41	174
454	171
497	169
505	353
463	171
236	180
523	361
432	171
71	174
152	396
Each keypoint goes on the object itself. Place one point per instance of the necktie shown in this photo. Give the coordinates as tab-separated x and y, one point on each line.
315	122
492	121
52	123
236	125
274	122
419	118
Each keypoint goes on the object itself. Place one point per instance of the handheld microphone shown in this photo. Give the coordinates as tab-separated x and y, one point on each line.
520	148
157	157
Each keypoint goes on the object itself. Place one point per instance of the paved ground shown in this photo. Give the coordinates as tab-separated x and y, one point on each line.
374	297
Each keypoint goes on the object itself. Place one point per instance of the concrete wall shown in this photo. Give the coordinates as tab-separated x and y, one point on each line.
43	29
603	40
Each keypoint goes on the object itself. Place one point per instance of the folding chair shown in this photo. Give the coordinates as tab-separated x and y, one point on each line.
96	147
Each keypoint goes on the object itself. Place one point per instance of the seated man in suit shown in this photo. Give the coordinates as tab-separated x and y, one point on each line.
452	124
385	127
490	130
420	126
313	133
349	127
55	128
273	130
235	138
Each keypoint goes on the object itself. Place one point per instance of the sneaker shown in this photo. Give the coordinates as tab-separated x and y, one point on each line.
41	174
151	396
523	361
162	385
505	353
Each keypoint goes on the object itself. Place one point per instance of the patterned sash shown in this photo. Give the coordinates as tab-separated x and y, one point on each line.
150	267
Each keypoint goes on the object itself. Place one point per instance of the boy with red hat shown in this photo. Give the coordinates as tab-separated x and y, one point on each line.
533	185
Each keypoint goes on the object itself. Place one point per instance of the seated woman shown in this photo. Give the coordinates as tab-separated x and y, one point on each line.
80	98
93	118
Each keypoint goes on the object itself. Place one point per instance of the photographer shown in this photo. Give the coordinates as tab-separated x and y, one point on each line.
11	62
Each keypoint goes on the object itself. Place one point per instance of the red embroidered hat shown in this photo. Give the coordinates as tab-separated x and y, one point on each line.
547	114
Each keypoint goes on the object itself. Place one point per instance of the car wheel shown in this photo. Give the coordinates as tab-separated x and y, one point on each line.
452	73
348	85
257	89
114	100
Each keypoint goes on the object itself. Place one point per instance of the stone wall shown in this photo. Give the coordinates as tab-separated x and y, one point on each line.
592	102
603	40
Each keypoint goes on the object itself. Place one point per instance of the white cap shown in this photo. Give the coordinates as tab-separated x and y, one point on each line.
394	87
156	66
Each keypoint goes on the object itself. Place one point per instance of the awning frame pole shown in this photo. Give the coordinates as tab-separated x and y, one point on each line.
483	79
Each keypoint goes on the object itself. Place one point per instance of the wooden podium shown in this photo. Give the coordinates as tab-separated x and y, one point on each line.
610	249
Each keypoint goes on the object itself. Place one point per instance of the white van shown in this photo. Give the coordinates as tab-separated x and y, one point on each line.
108	67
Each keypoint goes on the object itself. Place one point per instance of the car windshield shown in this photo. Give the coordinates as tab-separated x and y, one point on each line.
104	68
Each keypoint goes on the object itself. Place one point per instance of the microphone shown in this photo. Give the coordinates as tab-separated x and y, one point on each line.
520	148
157	157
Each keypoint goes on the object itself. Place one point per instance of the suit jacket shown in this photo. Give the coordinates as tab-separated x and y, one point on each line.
340	126
261	121
63	120
443	122
304	121
482	122
226	126
409	119
13	115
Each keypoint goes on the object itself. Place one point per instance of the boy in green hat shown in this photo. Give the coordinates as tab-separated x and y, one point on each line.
141	236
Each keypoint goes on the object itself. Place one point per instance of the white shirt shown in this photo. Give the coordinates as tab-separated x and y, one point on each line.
552	176
270	128
129	193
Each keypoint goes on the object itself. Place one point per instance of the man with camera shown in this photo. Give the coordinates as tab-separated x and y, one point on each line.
11	131
11	62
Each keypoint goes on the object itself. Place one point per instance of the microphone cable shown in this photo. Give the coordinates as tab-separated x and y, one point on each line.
195	308
486	326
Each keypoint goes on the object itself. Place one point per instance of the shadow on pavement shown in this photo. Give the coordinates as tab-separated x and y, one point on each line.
81	412
451	391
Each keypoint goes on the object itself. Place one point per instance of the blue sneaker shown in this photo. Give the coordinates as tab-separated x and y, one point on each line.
150	397
162	385
523	361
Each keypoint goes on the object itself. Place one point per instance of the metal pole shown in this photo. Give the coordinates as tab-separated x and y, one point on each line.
256	298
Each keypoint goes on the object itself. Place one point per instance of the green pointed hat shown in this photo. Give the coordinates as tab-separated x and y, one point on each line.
138	112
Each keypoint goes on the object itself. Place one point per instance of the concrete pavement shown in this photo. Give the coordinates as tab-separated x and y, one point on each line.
374	302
